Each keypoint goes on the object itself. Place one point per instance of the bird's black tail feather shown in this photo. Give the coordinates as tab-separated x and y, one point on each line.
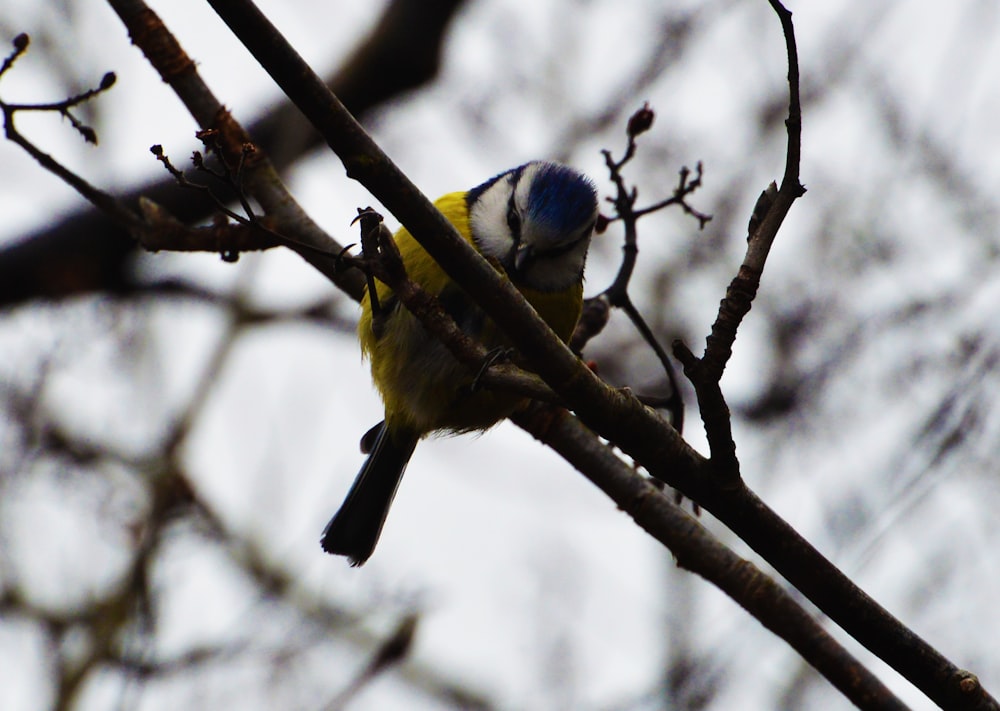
355	528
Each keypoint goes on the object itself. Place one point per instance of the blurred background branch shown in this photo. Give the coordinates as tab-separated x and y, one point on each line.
88	252
862	384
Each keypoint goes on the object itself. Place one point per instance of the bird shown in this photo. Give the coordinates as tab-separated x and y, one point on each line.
534	223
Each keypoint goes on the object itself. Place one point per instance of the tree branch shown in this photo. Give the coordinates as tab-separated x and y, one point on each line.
697	550
87	251
617	415
258	175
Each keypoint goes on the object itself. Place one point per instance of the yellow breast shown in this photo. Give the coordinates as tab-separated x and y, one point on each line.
423	387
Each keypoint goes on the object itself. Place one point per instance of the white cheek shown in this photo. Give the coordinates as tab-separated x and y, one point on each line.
488	222
493	242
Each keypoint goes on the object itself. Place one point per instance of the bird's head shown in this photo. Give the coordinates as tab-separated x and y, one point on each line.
536	220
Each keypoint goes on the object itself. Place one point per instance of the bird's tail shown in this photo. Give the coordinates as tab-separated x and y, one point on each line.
355	528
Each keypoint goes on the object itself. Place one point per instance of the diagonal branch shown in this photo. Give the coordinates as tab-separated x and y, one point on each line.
87	251
698	551
692	545
258	175
616	415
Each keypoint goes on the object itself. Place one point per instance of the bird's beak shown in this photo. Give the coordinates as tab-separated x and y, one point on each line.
522	256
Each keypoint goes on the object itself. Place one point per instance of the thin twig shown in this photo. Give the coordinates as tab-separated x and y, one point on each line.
287	221
617	415
382	261
617	294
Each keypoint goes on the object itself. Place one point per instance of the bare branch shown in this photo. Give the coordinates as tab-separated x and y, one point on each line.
695	549
617	294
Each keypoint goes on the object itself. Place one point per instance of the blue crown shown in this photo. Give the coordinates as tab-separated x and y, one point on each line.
560	198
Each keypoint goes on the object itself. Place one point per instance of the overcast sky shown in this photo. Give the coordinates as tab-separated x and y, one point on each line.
533	589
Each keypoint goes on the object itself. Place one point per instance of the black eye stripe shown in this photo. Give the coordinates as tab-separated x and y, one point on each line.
513	220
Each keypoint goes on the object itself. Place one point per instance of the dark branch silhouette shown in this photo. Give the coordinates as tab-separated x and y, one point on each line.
616	415
87	251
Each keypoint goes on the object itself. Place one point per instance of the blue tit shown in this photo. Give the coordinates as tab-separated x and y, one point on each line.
535	222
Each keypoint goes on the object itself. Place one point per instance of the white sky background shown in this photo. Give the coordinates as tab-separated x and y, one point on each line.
534	589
